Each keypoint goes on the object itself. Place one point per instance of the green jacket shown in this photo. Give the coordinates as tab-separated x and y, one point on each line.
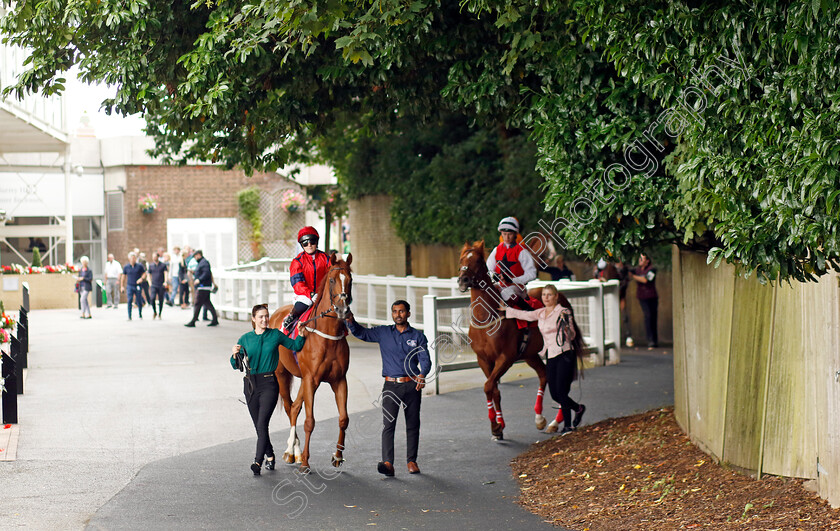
262	349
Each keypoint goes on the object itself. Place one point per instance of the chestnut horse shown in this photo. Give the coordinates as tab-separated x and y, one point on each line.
325	357
494	339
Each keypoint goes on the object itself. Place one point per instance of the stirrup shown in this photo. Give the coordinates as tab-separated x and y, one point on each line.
287	322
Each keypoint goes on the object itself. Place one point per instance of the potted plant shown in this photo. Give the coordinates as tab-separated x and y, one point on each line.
148	203
249	206
291	200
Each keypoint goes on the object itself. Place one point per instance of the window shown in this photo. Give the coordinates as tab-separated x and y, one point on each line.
115	210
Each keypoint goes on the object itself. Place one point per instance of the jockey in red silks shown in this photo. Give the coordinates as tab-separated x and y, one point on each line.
511	265
307	270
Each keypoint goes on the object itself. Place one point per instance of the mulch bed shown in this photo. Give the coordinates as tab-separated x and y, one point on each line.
643	472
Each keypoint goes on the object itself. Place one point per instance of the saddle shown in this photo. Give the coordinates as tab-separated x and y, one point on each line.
292	331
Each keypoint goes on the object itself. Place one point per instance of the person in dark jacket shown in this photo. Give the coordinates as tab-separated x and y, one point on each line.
157	271
85	280
645	277
259	348
203	287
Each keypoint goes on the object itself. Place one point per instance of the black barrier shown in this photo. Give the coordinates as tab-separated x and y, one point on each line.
98	289
22	358
23	337
15	352
10	409
26	296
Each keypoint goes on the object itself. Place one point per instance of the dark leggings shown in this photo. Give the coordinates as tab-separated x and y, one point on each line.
184	293
158	294
261	403
561	372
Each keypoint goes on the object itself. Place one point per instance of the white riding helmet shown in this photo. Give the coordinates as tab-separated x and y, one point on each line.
509	223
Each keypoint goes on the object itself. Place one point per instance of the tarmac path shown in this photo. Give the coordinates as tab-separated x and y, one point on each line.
139	424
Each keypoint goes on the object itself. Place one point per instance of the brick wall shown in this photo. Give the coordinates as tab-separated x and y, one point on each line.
184	192
376	248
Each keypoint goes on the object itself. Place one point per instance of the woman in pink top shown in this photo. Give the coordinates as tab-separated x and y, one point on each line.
563	346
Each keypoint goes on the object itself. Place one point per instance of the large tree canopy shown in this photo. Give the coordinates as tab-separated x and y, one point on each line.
707	124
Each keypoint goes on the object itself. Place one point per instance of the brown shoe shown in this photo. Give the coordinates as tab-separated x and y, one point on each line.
385	468
413	468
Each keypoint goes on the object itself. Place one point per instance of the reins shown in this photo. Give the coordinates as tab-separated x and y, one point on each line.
326	312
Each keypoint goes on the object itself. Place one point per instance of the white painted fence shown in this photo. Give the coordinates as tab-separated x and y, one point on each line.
443	314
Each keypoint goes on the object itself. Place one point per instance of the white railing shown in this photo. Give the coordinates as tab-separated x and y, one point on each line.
596	307
264	264
241	288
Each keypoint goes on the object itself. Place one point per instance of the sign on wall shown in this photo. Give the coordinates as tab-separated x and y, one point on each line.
42	194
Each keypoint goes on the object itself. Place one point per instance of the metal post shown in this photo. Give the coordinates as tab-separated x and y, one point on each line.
10	410
430	326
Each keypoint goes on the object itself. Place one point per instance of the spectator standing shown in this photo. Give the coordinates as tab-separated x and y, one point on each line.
645	277
85	280
133	275
183	281
203	287
175	285
561	270
113	270
157	272
405	364
141	258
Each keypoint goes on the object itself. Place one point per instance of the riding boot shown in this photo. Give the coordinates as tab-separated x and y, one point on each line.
297	311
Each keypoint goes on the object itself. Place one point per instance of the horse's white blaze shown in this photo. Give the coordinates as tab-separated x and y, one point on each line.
470	255
343	281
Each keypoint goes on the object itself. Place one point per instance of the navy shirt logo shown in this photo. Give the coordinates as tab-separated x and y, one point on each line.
411	342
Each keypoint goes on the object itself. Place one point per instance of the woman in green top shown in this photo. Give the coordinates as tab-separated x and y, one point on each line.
261	387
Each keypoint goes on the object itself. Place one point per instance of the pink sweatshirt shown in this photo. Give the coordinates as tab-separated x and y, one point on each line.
547	322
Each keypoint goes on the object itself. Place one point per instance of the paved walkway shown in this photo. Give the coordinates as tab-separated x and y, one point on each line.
139	424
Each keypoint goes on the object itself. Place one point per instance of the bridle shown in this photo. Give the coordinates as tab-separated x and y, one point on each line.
343	296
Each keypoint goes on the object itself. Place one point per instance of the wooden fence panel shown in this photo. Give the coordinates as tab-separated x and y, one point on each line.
750	345
821	341
789	445
707	307
680	375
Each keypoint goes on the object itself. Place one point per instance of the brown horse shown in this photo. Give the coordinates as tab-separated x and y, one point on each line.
494	339
324	358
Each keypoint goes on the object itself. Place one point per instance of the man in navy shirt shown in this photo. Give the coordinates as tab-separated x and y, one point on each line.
133	275
405	364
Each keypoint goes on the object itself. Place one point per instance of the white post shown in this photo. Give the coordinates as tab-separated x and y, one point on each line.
390	294
68	209
371	301
596	318
430	327
612	308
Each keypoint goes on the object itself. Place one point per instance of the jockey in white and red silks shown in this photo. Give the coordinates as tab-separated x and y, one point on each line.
306	271
510	264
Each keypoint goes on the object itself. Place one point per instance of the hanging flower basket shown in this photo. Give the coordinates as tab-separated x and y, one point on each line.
291	201
148	203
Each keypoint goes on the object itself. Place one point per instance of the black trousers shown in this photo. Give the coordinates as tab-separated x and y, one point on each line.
158	294
562	370
145	287
261	403
394	397
202	300
650	308
184	293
